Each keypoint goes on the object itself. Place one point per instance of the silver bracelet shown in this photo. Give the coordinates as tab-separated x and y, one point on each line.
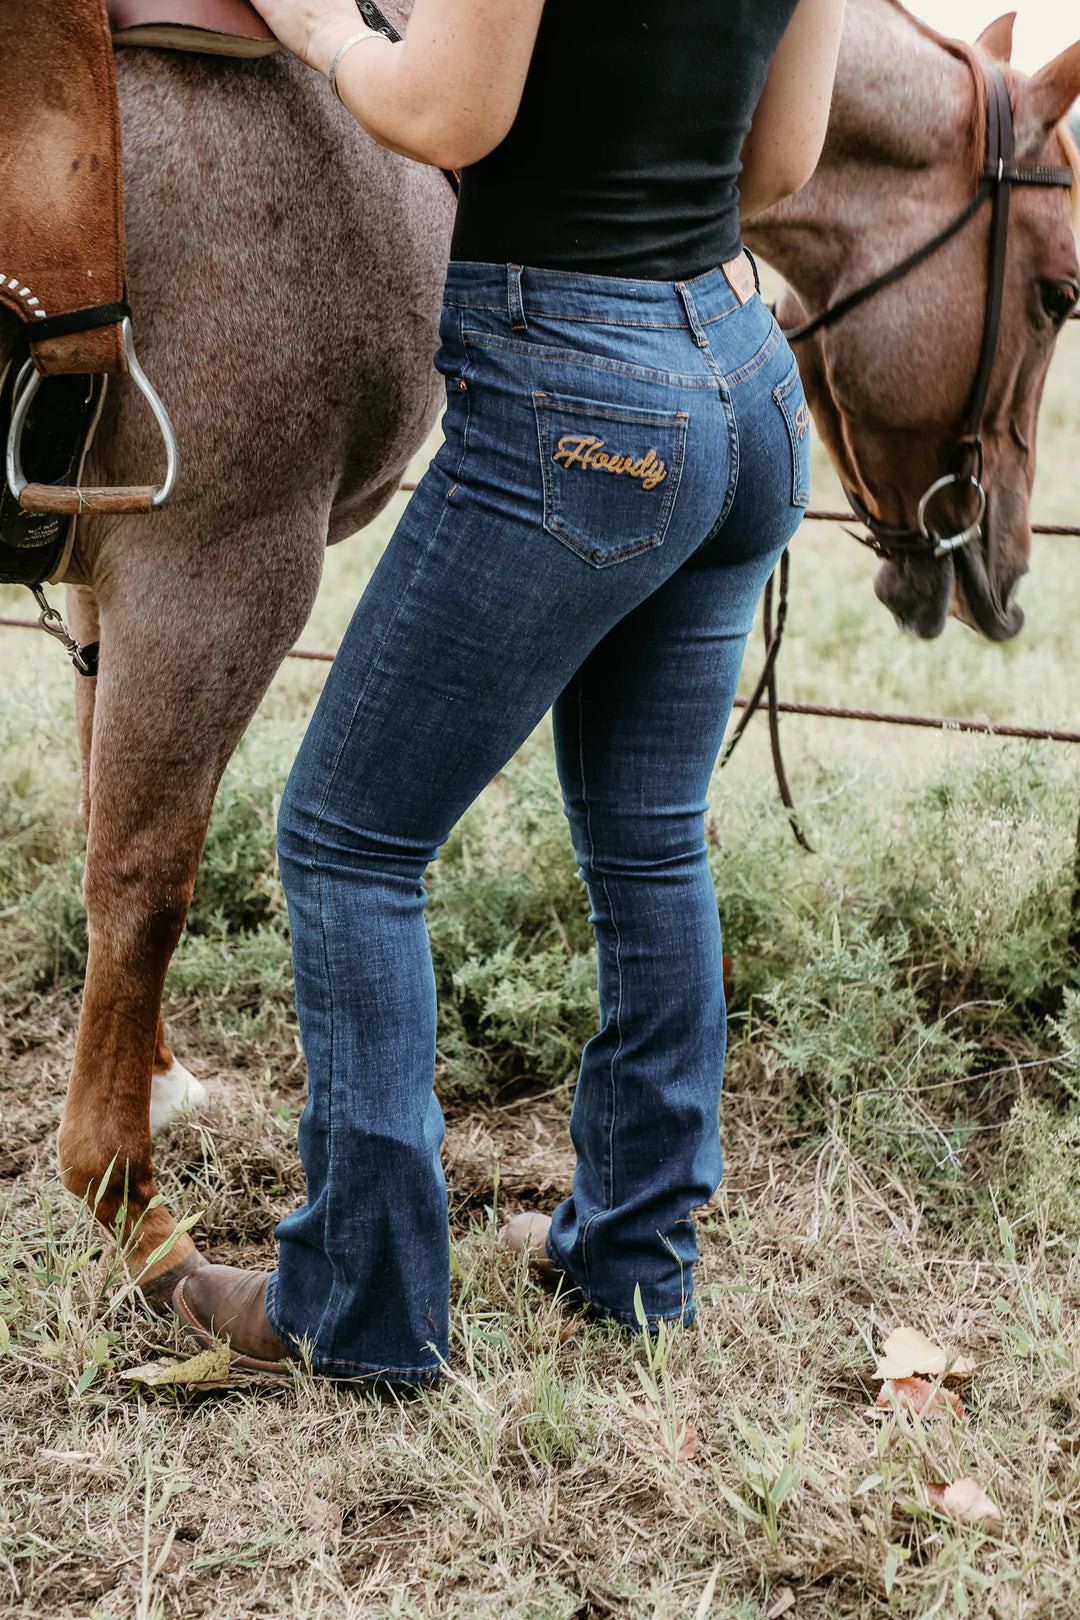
353	39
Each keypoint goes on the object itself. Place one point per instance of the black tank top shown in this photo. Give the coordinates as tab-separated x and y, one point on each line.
623	159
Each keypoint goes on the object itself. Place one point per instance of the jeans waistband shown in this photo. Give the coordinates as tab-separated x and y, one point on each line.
569	294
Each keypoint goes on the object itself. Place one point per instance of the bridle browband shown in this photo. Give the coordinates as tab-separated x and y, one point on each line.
965	464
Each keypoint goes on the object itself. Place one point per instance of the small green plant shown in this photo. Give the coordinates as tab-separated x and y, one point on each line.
655	1379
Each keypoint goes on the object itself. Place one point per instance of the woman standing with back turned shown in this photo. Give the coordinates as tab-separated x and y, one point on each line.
626	455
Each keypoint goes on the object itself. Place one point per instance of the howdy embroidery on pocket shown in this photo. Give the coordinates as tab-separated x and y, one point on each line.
590	453
605	520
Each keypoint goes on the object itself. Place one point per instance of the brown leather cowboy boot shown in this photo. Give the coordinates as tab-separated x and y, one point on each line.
224	1302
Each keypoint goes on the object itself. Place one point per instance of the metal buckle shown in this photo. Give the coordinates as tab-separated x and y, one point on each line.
944	544
27	385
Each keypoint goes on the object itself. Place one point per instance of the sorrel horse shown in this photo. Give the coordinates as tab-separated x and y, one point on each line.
888	383
286	274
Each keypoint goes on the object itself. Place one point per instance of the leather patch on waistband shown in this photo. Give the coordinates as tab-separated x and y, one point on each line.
739	275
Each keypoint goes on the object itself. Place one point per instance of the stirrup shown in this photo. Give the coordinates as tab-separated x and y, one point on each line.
69	497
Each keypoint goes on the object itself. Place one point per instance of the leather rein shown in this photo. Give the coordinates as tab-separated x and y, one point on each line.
965	463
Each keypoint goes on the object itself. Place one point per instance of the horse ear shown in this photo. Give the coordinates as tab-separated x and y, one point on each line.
997	39
1052	91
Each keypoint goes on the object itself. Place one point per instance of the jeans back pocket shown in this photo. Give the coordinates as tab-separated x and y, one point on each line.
796	413
611	474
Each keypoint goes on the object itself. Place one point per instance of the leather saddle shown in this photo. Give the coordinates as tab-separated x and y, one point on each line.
63	254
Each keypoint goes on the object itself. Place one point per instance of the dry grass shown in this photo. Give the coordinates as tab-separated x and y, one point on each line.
535	1484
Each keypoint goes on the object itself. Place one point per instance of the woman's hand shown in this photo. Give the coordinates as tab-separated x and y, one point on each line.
312	29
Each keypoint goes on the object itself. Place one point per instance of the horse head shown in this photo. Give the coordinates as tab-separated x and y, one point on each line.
890	384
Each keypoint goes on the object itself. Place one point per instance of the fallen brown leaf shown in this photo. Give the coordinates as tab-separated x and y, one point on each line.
929	1400
686	1442
966	1501
209	1367
321	1516
686	1436
906	1352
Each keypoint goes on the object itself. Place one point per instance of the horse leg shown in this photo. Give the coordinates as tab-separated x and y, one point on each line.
182	671
173	1086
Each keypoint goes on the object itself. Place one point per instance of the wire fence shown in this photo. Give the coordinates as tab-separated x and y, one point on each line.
818	711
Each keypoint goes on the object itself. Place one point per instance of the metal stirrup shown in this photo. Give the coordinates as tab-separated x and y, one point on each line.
70	498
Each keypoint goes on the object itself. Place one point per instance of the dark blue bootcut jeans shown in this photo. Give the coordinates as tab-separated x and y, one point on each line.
623	464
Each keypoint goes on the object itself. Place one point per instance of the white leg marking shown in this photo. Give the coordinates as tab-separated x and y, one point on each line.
177	1088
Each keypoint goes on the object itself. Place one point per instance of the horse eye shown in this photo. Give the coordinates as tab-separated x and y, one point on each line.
1059	299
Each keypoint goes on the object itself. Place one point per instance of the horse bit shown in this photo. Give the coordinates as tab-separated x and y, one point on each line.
999	176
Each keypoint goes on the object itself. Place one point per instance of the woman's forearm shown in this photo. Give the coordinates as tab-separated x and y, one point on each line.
446	95
787	134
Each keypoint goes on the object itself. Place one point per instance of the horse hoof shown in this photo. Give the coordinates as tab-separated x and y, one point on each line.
177	1088
158	1292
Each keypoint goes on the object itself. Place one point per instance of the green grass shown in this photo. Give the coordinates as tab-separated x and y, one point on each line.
902	1133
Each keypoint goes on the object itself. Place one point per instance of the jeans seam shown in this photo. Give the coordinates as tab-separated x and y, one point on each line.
314	867
464	380
733	442
609	1168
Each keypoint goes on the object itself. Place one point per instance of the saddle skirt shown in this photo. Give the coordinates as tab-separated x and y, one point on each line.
213	27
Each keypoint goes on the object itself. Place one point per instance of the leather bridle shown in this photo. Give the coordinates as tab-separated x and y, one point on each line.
965	462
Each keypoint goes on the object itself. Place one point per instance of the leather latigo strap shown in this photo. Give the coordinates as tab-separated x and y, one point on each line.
61	193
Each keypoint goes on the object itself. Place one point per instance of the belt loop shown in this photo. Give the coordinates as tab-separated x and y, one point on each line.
513	298
692	318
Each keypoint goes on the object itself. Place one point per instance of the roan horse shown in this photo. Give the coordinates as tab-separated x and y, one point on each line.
286	276
888	384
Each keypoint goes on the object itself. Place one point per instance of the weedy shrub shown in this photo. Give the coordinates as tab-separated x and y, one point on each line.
237	889
510	939
928	942
1038	1176
42	925
1067	1029
911	966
